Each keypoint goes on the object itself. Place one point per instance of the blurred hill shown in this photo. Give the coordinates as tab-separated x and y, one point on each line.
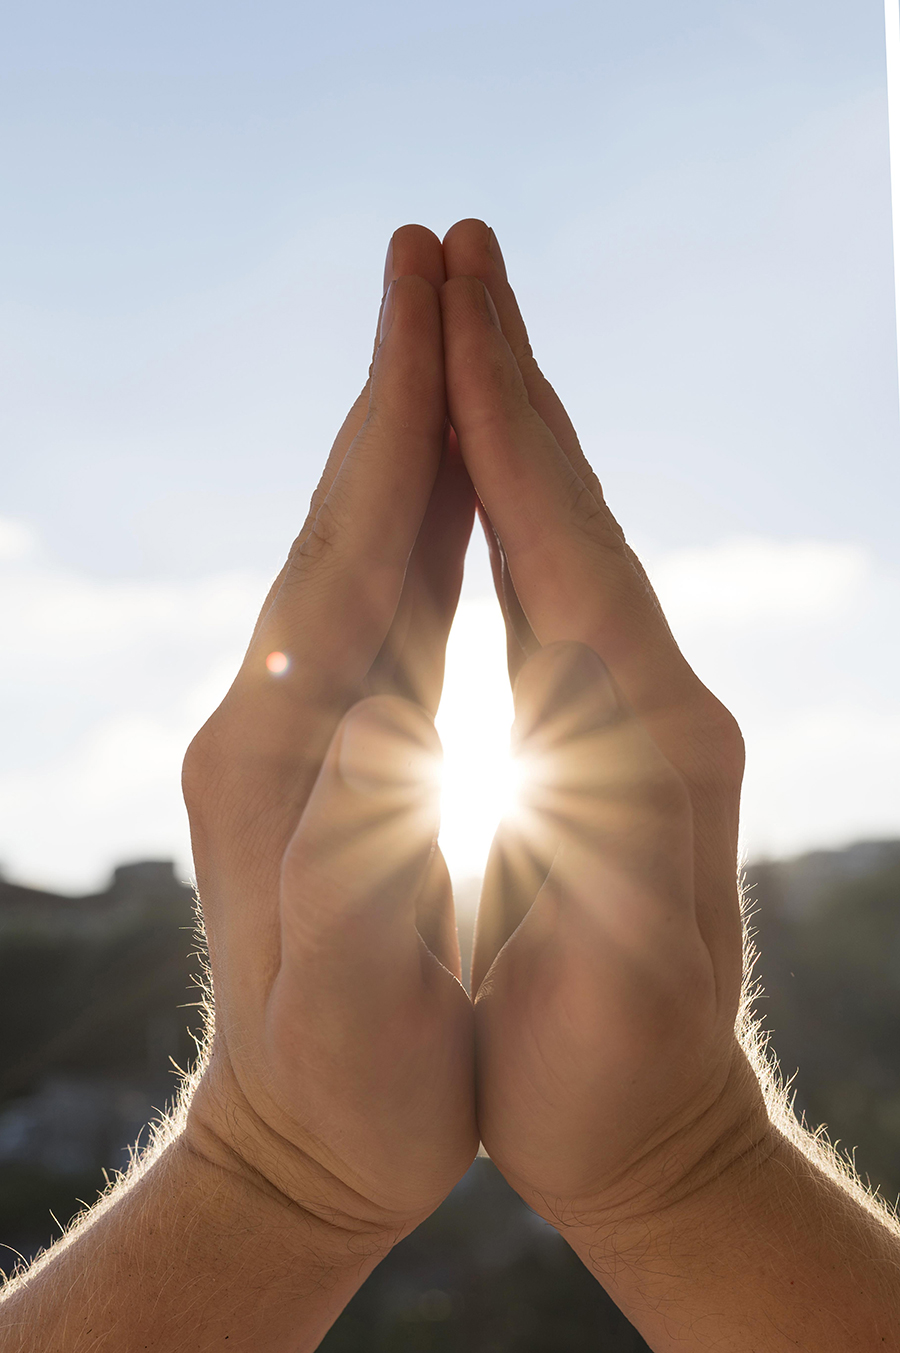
98	997
828	932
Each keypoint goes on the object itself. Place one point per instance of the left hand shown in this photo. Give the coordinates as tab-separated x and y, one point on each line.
340	1073
608	959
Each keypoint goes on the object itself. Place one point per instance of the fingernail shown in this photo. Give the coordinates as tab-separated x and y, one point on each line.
564	691
388	267
387	314
495	251
492	309
385	750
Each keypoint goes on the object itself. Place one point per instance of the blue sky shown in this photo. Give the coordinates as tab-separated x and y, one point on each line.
694	204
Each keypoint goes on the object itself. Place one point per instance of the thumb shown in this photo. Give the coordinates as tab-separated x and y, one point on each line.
357	861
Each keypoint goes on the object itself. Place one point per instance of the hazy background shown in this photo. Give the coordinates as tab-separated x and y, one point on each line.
693	200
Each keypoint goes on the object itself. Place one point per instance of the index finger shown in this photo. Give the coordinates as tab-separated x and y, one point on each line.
306	662
250	770
413	250
576	580
566	553
471	249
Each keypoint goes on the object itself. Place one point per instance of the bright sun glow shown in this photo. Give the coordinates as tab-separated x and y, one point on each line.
474	719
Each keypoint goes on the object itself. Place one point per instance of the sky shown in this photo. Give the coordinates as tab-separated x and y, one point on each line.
694	205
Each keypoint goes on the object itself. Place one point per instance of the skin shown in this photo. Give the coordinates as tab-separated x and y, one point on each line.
315	881
634	939
349	1077
612	1090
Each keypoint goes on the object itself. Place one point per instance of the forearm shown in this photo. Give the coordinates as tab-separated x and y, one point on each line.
188	1256
773	1254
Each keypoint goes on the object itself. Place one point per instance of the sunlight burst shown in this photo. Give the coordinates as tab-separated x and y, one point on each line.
480	779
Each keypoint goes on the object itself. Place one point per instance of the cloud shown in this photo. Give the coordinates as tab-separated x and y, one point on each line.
17	540
754	581
827	775
111	796
46	608
103	681
799	639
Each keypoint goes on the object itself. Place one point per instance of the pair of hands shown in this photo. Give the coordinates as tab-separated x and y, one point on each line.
349	1073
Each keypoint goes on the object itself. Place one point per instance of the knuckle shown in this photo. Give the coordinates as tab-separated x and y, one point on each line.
594	486
406	718
398	418
302	534
595	520
317	542
729	739
202	764
719	742
503	395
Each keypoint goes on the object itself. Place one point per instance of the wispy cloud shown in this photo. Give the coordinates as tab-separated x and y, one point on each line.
752	581
104	681
102	684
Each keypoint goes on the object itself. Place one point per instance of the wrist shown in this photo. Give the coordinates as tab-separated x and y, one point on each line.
772	1251
716	1149
191	1252
693	1217
294	1198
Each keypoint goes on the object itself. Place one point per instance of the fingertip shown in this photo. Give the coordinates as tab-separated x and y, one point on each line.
569	656
471	230
564	690
471	247
388	743
414	250
368	831
417	294
413	234
416	286
411	308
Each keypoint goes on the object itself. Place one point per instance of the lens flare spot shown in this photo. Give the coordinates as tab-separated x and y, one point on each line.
278	663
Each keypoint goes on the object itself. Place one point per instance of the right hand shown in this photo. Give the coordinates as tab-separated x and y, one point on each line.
340	1073
608	954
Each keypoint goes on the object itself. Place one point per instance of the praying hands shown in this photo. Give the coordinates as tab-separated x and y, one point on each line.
605	1059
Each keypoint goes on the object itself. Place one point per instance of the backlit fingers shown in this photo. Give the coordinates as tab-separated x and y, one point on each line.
411	660
412	251
471	249
570	567
343	582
